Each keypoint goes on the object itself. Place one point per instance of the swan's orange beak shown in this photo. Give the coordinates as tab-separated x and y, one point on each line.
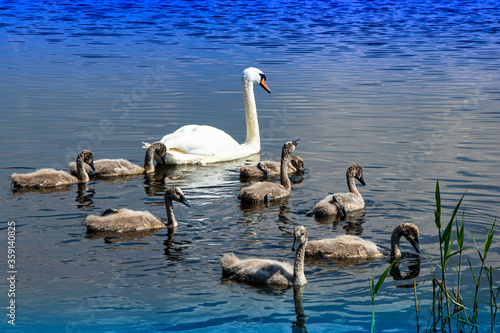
264	85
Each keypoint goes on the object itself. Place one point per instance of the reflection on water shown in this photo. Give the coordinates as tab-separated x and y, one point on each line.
128	237
299	326
406	268
84	196
354	221
251	208
409	91
174	250
331	263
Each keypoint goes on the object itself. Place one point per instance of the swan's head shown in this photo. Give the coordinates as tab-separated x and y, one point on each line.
87	157
255	76
411	233
160	151
297	162
300	236
355	170
109	211
289	148
175	193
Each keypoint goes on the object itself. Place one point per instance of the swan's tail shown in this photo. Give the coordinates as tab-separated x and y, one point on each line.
228	260
145	145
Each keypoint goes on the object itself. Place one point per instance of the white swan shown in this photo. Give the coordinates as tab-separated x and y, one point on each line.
193	144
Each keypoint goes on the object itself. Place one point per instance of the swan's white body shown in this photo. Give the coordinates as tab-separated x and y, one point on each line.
193	144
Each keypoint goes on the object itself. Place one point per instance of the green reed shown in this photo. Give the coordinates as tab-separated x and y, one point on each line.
374	289
448	306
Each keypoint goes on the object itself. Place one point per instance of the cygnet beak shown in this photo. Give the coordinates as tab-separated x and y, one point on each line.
184	201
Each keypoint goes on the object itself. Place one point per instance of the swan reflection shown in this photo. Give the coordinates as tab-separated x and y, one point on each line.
299	324
84	196
406	268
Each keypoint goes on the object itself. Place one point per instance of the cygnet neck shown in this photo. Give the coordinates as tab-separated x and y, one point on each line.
351	184
395	240
285	181
149	165
81	174
171	221
299	277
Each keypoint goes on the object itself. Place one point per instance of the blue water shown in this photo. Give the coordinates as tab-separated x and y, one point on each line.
410	91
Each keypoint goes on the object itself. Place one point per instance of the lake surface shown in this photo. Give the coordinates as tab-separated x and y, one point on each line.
411	92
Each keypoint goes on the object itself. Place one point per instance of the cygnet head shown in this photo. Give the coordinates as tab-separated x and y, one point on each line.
255	76
175	194
355	170
289	147
410	232
160	151
109	211
300	236
87	157
297	162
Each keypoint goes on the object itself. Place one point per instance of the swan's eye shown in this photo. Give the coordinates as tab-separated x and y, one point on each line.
262	77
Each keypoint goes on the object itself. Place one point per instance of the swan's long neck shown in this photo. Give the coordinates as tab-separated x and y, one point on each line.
149	165
285	181
171	221
253	136
352	185
395	249
299	277
80	170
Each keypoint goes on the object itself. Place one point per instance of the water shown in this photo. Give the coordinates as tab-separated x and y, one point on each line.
410	92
